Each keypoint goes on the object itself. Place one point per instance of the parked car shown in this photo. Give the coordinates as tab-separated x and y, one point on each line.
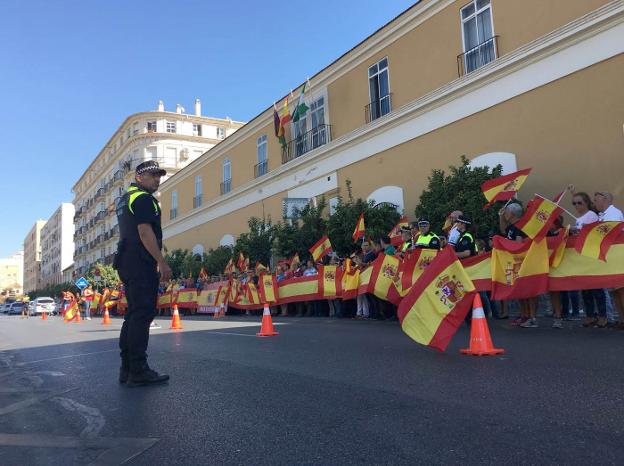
40	305
16	308
4	308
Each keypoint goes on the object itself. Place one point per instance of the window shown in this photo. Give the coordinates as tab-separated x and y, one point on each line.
197	129
477	34
226	184
128	133
171	127
151	153
379	90
300	133
197	200
319	130
135	128
174	205
261	167
220	133
151	126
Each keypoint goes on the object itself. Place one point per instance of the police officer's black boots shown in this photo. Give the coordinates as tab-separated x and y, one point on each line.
123	374
146	376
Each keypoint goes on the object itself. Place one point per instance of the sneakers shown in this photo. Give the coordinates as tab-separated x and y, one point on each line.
88	318
146	377
529	323
518	321
557	323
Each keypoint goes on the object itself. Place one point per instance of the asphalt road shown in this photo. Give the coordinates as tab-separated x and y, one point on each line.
323	392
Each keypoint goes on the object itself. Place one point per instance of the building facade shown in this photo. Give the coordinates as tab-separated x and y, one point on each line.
174	139
12	274
57	245
522	84
32	257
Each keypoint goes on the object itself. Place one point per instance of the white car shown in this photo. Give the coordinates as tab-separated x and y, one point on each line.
41	305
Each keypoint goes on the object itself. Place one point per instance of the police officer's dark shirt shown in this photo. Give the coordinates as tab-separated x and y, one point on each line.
512	232
466	243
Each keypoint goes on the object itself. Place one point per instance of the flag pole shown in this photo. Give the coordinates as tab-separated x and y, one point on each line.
566	211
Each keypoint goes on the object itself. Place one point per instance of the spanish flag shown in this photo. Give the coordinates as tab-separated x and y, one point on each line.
295	260
505	187
260	268
358	233
385	270
222	295
557	246
448	223
540	214
414	265
595	239
329	281
298	289
350	282
229	268
438	302
268	288
395	234
72	311
240	263
479	269
252	293
321	249
519	270
202	274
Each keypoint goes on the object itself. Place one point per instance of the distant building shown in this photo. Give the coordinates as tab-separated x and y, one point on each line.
174	139
57	245
12	273
32	256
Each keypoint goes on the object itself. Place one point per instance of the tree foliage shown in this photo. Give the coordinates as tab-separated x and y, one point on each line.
108	276
257	242
302	232
460	189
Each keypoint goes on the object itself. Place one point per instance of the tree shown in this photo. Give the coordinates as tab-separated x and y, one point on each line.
257	243
459	190
176	260
217	259
305	229
108	276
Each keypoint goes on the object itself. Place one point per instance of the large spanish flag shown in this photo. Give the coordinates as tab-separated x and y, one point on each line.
413	266
72	311
350	283
298	289
358	233
479	269
384	272
438	302
187	298
504	187
268	288
329	281
519	270
321	249
252	293
364	280
595	239
540	214
557	246
578	272
222	295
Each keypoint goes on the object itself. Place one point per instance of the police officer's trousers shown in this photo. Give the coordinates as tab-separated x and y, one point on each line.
141	293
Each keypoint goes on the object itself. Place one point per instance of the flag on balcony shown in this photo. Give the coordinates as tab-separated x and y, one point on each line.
321	249
359	228
279	129
301	108
540	214
596	238
505	187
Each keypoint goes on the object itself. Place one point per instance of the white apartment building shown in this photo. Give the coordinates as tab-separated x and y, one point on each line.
12	273
57	245
173	139
32	256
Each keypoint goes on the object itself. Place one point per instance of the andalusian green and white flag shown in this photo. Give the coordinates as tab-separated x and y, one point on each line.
301	108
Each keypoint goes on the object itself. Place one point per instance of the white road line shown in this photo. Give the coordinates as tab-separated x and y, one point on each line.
66	357
232	333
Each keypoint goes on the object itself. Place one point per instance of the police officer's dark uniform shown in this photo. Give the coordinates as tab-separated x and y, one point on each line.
466	241
428	241
138	271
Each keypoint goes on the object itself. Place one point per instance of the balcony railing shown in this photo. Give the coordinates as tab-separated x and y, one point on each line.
197	201
477	56
261	168
378	108
173	213
226	186
306	142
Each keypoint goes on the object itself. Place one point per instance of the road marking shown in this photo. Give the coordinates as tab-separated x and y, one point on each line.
232	333
116	450
66	357
31	401
92	416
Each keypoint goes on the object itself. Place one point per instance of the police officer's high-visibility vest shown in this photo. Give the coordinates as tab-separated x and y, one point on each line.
406	245
430	240
461	237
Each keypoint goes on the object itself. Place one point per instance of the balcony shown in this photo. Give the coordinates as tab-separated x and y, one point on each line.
378	108
477	56
306	142
261	168
101	215
197	201
226	186
118	176
99	193
173	213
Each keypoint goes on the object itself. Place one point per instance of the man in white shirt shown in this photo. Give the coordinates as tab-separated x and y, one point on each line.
607	212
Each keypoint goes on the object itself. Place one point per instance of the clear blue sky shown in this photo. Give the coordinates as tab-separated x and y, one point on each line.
71	71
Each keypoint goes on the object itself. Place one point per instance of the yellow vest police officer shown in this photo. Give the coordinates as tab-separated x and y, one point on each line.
426	239
139	261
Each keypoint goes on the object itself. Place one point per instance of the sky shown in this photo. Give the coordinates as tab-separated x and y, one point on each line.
72	71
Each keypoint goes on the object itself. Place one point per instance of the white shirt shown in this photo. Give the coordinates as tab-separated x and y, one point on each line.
612	214
588	217
310	272
453	235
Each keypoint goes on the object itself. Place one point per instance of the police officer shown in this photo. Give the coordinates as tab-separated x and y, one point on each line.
426	239
139	261
406	235
465	246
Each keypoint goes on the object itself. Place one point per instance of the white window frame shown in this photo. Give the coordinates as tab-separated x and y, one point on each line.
220	132
368	80
174	204
198	185
171	123
151	126
226	163
462	22
197	129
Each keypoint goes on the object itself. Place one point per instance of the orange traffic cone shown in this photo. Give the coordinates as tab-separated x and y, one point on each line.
267	329
78	318
176	324
106	320
480	340
44	315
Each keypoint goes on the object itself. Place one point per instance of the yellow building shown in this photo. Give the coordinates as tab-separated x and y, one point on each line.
524	84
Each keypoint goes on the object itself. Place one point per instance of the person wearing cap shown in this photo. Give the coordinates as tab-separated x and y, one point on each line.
406	235
426	239
465	245
141	267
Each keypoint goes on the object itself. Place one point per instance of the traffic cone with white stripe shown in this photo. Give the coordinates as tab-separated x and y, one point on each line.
480	339
267	329
106	320
176	324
